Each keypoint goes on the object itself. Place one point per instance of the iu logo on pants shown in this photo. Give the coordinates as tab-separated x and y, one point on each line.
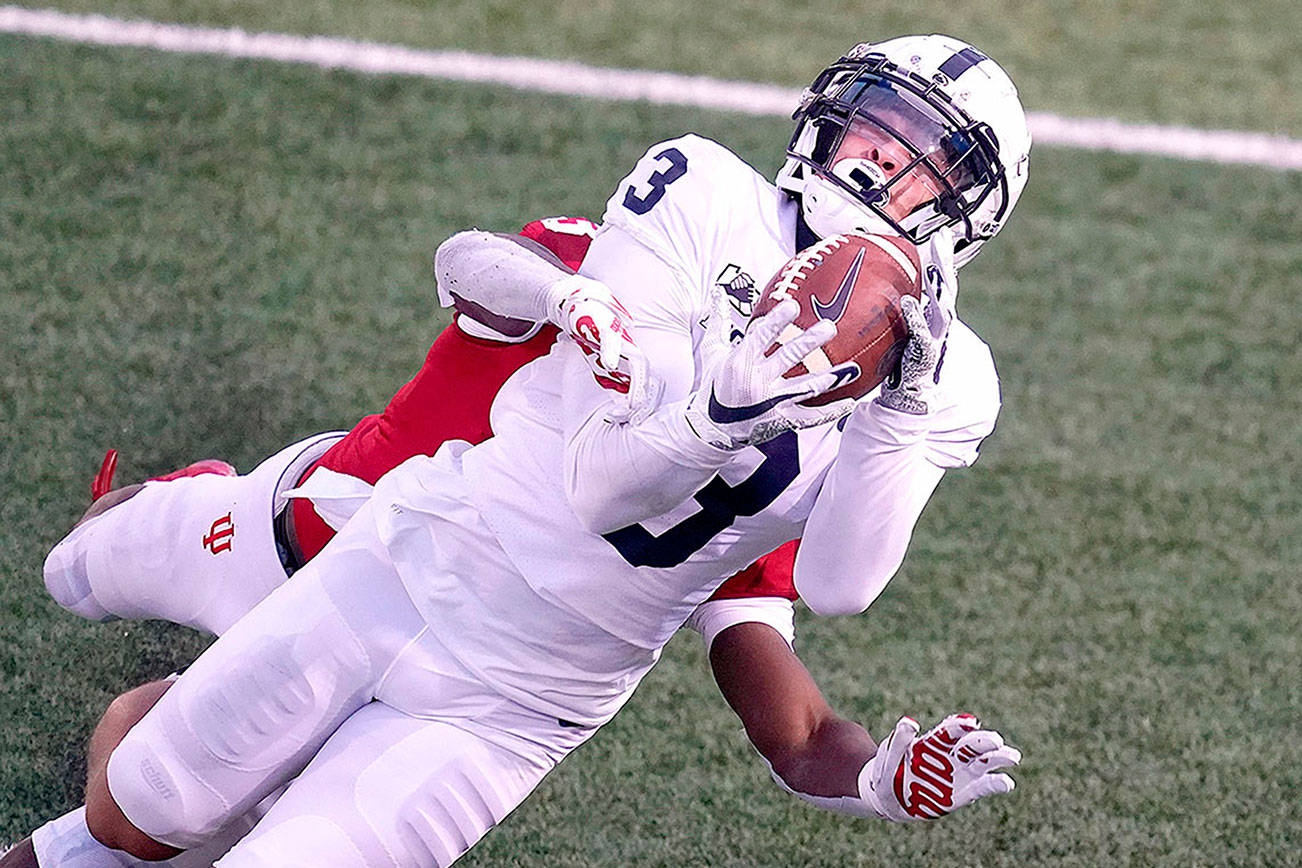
220	535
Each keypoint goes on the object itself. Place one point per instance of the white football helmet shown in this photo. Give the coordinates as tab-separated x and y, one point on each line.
910	135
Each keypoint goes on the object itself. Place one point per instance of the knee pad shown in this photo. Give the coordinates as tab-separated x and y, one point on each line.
67	579
273	708
245	718
433	815
390	790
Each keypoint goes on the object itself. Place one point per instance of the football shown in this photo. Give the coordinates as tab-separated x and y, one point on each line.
857	282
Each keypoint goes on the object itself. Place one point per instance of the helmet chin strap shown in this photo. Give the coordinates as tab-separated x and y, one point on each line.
827	211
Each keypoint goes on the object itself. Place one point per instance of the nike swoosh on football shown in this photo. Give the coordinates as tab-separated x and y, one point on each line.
723	414
836	307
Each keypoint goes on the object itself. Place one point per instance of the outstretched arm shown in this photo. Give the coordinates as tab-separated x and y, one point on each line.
832	762
806	744
889	462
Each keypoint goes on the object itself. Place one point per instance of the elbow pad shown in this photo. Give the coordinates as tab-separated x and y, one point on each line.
504	276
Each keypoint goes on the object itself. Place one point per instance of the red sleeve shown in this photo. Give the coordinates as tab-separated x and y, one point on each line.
567	237
450	395
770	576
448	399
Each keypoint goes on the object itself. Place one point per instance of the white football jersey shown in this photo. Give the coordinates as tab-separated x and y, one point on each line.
720	228
690	227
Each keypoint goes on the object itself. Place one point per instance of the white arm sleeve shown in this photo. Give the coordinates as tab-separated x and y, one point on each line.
714	616
860	526
887	466
618	473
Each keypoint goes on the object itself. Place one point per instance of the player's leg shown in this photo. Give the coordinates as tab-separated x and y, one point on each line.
418	776
254	708
20	855
198	550
67	841
390	789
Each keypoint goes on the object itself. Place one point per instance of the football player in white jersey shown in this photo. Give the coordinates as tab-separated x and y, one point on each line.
490	607
208	578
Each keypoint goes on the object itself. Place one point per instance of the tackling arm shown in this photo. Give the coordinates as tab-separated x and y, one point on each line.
511	283
808	747
505	275
831	762
618	471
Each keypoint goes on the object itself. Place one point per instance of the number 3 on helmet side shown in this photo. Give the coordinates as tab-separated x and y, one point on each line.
675	168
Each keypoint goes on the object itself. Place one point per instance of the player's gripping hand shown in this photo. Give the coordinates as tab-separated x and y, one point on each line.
587	311
745	400
925	777
910	387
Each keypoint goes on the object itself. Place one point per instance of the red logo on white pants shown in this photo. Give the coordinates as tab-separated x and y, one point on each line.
220	535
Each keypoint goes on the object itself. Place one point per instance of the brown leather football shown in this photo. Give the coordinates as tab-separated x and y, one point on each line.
857	282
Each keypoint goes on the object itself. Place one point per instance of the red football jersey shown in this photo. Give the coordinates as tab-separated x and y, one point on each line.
449	399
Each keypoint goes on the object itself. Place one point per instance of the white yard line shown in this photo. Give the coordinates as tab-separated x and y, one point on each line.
576	79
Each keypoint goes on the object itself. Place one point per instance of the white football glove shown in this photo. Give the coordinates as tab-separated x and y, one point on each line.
910	387
925	777
587	311
745	399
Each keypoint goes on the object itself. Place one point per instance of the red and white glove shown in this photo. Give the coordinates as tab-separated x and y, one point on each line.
587	311
925	777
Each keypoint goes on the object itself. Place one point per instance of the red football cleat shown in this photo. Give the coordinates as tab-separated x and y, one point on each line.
102	484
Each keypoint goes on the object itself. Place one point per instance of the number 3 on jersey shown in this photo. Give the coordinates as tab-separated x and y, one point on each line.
721	504
674	167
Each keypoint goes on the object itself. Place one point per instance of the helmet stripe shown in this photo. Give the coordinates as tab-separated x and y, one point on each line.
961	62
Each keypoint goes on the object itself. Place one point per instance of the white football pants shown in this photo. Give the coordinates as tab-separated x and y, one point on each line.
412	758
197	551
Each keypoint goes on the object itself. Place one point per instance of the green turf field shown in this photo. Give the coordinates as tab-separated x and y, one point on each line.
1167	61
212	257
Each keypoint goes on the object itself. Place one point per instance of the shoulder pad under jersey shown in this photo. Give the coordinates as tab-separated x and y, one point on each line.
683	194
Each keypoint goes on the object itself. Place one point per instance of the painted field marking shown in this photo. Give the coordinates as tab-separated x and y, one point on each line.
576	79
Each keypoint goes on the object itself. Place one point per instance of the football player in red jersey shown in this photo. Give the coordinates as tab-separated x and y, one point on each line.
747	623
